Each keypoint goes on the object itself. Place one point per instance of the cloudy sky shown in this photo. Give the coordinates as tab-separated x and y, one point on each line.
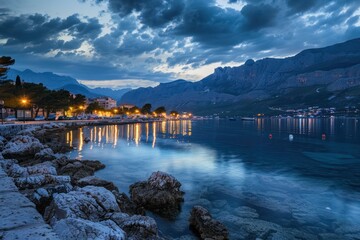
122	43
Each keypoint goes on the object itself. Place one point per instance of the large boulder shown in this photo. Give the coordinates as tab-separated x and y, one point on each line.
160	194
90	203
73	228
43	196
205	226
77	169
136	226
45	154
22	147
95	164
94	181
126	205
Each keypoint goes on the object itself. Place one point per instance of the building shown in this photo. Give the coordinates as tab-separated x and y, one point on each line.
106	102
126	106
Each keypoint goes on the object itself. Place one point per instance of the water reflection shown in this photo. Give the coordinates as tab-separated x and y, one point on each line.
309	186
315	127
134	133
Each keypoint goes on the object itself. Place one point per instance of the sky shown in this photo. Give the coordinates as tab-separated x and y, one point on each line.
141	43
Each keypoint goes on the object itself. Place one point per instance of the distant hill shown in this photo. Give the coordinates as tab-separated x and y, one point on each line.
54	82
326	76
50	80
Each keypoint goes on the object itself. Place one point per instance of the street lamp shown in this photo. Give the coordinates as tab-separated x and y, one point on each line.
24	101
1	109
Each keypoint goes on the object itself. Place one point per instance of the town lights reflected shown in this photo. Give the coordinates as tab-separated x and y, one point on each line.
154	134
137	134
81	139
128	135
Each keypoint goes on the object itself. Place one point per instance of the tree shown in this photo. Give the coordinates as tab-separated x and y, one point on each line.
4	63
146	109
78	100
18	81
94	106
174	113
160	110
134	110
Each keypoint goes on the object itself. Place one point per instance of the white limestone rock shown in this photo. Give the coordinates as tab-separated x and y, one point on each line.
22	146
163	181
46	154
73	228
36	181
136	226
103	197
90	203
7	163
16	171
95	181
29	130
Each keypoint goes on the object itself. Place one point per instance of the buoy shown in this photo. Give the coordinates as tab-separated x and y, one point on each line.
270	136
323	136
291	137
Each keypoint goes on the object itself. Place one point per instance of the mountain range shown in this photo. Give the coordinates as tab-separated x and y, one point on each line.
55	82
326	77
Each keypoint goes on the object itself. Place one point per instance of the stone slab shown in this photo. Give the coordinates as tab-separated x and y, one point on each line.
2	172
14	200
33	232
15	218
7	184
18	217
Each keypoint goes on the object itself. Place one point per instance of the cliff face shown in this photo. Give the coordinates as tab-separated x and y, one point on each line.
334	69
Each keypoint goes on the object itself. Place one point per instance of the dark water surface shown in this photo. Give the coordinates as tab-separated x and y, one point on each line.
307	188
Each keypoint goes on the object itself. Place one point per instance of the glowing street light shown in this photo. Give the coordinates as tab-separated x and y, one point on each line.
24	102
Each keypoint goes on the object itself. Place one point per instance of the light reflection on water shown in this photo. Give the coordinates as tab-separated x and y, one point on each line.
309	184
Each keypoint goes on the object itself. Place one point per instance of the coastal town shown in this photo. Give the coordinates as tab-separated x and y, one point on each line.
25	103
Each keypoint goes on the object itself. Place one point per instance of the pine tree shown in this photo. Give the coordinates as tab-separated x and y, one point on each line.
18	81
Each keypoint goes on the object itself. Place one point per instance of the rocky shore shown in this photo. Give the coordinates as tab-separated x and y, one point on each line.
71	203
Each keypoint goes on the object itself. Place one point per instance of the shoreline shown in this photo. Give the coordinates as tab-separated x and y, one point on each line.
29	187
71	200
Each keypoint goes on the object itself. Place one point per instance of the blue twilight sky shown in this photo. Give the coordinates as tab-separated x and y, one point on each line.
122	43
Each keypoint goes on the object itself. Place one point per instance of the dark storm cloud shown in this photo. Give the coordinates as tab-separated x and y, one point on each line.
300	6
154	13
202	19
217	27
39	33
145	35
258	16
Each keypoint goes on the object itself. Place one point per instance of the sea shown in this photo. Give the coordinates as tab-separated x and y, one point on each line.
270	178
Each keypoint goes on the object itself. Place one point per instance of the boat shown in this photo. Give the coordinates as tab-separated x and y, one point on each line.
247	119
232	119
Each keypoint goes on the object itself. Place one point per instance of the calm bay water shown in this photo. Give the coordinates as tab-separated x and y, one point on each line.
308	188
